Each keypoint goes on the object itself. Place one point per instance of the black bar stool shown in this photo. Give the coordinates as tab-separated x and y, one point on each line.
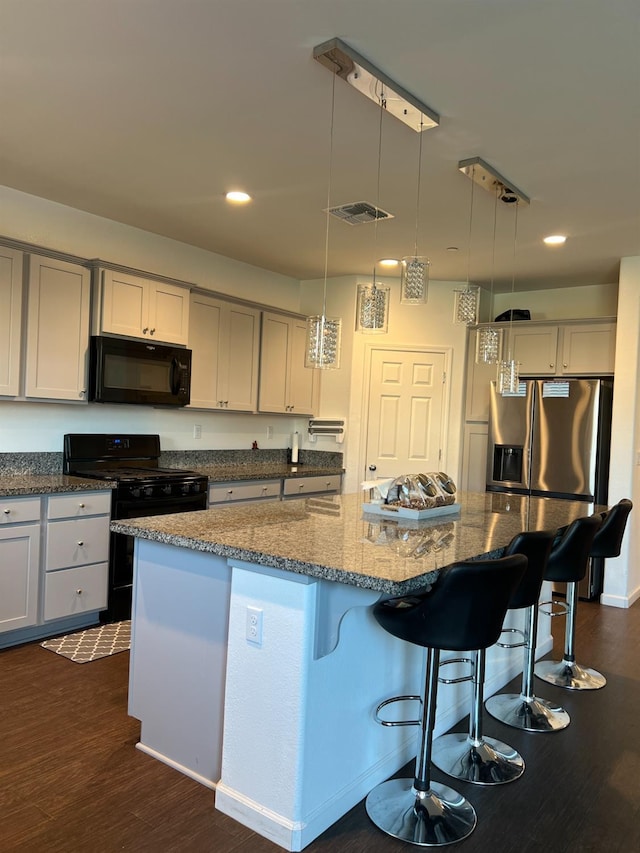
527	711
608	539
464	610
568	563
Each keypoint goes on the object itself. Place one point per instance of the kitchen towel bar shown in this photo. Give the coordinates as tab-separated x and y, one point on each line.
328	427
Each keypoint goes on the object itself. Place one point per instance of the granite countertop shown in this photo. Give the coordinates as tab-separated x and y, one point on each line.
330	537
12	485
225	473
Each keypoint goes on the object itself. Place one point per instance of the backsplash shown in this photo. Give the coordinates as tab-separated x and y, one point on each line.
51	463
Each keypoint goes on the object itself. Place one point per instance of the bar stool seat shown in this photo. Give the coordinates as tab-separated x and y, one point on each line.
526	711
464	610
568	563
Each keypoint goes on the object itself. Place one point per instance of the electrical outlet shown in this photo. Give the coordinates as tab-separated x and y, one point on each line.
269	432
254	626
197	431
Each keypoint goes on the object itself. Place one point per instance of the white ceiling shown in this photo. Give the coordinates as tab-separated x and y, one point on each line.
147	111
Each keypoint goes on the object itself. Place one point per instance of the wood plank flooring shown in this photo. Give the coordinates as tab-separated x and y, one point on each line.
71	780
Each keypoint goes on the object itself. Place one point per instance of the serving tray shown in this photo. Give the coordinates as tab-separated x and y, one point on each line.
403	512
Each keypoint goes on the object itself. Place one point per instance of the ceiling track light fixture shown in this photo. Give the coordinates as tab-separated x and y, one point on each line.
372	300
323	337
489	338
466	301
486	177
414	273
345	62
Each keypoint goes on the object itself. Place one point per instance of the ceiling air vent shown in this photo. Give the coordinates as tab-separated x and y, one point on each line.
359	212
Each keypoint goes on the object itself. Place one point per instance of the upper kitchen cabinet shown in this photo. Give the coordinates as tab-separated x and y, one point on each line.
10	321
567	349
286	385
137	307
224	338
57	329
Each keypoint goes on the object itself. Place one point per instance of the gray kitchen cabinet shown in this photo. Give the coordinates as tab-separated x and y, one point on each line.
57	339
224	338
296	487
19	562
244	490
10	321
77	554
566	349
137	307
286	385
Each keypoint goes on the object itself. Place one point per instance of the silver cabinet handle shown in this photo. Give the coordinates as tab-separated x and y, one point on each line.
551	365
82	392
145	330
81	506
565	364
229	491
152	331
78	592
7	512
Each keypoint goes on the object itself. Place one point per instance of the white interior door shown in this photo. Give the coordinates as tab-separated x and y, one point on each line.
405	413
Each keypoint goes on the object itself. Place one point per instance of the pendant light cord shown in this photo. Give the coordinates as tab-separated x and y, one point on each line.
383	104
326	240
415	249
473	183
513	280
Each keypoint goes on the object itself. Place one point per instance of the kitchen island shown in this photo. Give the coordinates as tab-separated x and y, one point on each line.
256	664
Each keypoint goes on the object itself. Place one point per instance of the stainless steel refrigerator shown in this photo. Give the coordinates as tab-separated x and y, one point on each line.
552	439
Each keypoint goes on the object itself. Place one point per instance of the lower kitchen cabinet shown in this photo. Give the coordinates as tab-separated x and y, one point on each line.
19	562
54	552
254	490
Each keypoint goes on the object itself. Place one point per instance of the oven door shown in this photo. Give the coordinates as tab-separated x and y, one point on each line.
121	553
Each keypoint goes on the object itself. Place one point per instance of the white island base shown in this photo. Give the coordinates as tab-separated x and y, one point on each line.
283	729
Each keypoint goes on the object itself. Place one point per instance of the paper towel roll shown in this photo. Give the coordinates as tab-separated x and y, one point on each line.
294	448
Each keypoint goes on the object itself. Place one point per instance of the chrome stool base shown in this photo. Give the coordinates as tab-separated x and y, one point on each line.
564	673
430	818
487	762
530	715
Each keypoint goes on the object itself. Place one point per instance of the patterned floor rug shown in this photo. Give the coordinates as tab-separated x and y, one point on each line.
92	644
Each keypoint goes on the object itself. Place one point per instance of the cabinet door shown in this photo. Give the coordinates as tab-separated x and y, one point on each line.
10	321
239	353
588	349
535	348
302	380
474	458
125	304
274	357
204	338
168	318
57	330
19	563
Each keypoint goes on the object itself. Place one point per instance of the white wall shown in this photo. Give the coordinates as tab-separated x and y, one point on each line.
33	427
565	303
342	394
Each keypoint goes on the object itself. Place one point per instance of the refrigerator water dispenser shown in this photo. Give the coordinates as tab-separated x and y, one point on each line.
507	463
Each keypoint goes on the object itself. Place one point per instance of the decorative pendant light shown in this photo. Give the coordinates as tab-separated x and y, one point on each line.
466	300
414	276
323	339
372	300
489	338
508	370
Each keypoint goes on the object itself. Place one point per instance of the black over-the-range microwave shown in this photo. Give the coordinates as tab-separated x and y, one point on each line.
127	371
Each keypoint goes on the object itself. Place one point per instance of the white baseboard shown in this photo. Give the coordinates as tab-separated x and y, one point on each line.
624	601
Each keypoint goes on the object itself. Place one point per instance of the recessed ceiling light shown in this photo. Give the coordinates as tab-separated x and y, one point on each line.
452	249
554	239
238	197
388	262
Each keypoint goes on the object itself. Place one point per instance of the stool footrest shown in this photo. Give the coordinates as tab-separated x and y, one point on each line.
386	702
564	608
512	645
462	677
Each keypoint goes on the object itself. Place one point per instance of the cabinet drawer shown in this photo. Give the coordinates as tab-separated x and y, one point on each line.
79	504
310	485
229	492
17	510
77	542
74	591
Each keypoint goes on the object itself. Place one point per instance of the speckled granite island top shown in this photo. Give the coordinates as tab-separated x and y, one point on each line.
14	485
331	537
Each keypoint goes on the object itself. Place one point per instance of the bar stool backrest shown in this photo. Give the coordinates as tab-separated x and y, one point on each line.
569	559
536	547
464	610
608	540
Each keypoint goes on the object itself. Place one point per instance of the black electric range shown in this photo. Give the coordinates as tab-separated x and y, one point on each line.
142	488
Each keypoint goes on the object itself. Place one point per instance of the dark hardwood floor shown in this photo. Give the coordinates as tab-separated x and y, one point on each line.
71	780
